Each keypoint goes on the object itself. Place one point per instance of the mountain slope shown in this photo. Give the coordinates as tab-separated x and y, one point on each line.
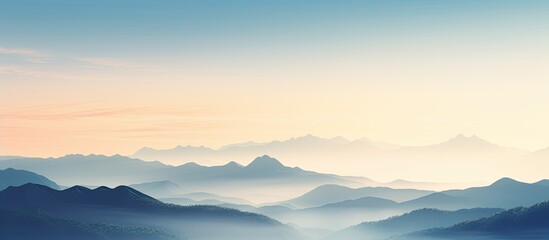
25	197
128	207
504	193
517	223
413	221
263	176
364	202
29	226
13	177
327	194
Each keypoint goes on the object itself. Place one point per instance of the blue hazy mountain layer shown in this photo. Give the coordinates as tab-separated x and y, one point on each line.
114	170
504	193
416	220
14	177
331	193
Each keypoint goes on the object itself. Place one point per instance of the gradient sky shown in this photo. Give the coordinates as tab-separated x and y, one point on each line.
113	76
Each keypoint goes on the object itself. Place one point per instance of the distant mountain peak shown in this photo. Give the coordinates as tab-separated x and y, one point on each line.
103	188
330	187
462	140
462	137
400	181
191	164
232	164
506	181
265	161
309	136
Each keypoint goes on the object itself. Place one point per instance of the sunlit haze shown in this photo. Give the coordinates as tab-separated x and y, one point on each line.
106	77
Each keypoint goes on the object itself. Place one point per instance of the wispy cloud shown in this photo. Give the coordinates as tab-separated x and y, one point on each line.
23	52
71	112
116	63
52	60
45	74
69	115
23	70
108	62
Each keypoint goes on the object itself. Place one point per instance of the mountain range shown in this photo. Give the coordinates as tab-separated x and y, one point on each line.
262	177
382	161
517	223
342	207
31	226
77	169
324	208
124	206
417	220
331	193
504	193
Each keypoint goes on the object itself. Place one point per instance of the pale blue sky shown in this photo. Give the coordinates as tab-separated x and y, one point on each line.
409	71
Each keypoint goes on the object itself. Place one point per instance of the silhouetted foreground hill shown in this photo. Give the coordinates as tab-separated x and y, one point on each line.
14	177
416	220
32	226
128	207
34	196
517	223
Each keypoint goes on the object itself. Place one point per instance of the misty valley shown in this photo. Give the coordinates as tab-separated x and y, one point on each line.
118	197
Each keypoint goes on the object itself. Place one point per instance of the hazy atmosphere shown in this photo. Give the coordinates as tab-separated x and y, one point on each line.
114	76
299	120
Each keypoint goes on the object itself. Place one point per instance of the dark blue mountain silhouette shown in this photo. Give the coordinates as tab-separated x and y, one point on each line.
517	223
31	226
128	207
416	220
13	177
25	197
